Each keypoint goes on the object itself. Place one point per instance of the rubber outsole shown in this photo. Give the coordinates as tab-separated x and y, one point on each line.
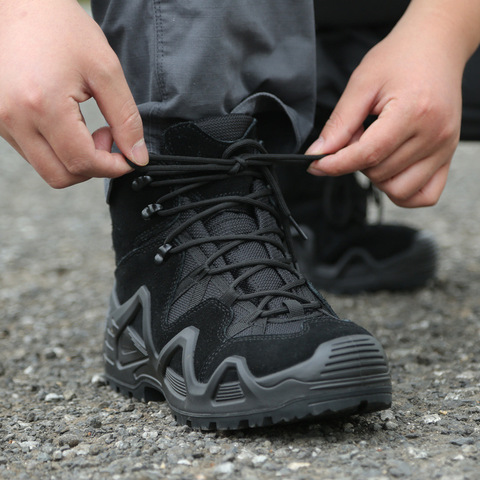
345	376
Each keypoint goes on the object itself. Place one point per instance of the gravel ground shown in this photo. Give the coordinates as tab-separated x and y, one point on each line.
59	421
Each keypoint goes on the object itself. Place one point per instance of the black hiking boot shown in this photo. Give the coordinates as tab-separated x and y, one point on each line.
344	253
209	310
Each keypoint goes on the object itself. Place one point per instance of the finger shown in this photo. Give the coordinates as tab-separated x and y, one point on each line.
420	185
44	160
314	170
113	96
352	109
407	154
103	139
379	141
74	146
429	194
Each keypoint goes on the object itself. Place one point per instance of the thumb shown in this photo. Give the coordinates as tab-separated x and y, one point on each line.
346	119
117	105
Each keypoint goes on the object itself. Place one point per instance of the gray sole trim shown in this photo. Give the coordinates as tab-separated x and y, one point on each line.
346	375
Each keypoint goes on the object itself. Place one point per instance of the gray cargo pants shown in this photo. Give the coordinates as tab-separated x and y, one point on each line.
188	59
282	60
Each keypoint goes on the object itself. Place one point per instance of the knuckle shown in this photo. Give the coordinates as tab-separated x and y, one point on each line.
424	108
58	182
78	166
375	176
7	124
105	68
5	115
372	157
397	193
449	133
359	77
33	100
131	118
334	171
334	121
429	199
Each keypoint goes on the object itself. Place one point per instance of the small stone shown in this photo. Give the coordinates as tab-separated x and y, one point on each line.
348	428
69	395
129	407
294	466
390	425
98	380
31	417
95	422
53	397
95	449
415	453
462	441
150	435
57	455
244	458
431	419
387	415
259	459
400	469
226	468
69	439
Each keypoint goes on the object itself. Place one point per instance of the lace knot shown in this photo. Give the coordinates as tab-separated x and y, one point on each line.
240	164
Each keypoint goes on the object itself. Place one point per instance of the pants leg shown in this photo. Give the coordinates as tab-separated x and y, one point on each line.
189	59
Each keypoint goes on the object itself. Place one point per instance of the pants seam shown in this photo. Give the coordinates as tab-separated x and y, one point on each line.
159	48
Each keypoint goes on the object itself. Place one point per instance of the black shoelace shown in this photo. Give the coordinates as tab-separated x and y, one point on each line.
182	175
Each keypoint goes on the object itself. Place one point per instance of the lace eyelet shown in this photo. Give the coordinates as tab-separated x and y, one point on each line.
162	252
141	182
151	210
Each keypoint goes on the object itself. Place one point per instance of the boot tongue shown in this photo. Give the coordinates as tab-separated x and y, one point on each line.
210	138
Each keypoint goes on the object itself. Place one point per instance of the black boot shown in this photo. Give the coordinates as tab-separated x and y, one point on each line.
346	254
209	310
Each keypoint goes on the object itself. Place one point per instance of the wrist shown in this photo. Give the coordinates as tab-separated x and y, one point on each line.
450	24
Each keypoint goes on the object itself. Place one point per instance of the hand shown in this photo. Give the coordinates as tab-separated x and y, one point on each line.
412	81
53	57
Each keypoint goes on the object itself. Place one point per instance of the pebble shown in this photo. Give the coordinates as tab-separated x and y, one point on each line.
294	466
462	441
431	419
226	468
57	455
98	380
259	459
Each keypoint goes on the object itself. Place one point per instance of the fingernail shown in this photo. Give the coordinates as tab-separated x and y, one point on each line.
140	154
316	148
